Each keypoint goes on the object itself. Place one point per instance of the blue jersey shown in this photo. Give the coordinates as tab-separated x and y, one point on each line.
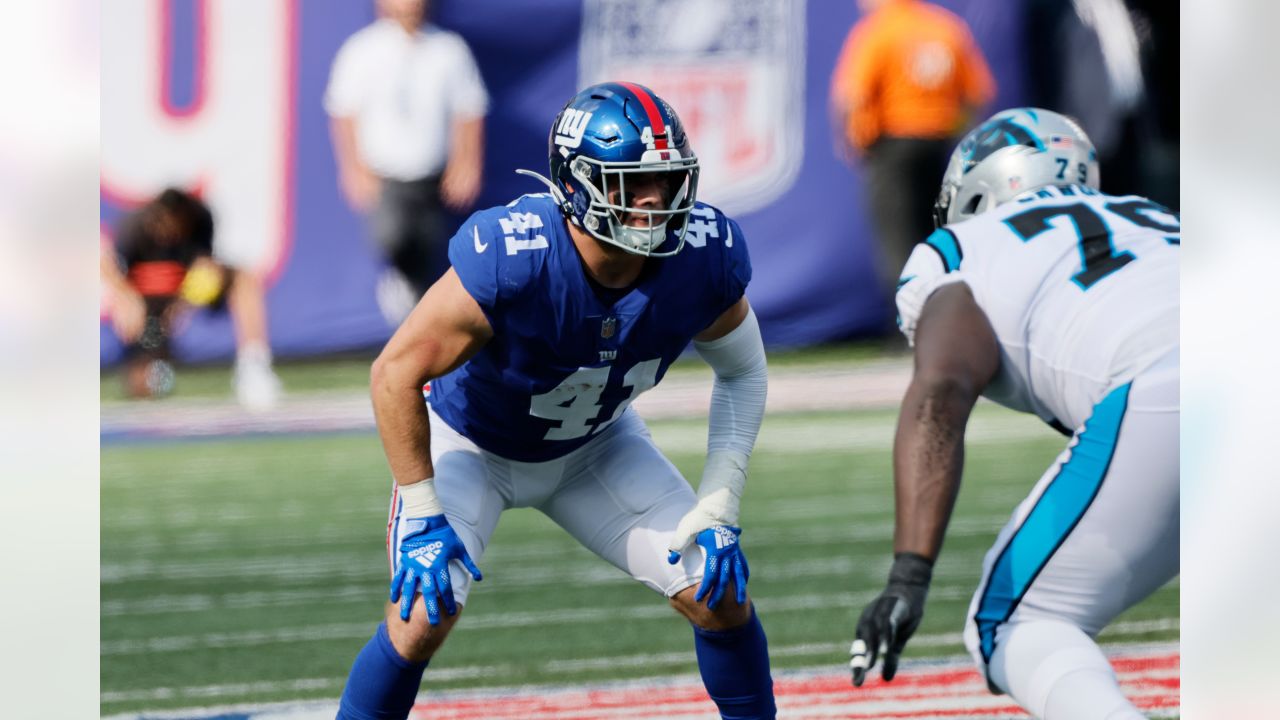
563	364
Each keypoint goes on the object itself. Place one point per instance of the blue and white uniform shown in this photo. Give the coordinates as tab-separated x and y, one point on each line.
540	416
1081	290
563	364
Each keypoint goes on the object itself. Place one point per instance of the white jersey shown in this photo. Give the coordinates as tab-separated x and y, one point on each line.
1081	289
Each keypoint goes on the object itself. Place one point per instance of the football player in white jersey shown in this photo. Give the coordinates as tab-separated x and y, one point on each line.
1044	295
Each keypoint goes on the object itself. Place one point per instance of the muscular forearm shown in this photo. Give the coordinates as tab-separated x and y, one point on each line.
403	423
445	329
928	458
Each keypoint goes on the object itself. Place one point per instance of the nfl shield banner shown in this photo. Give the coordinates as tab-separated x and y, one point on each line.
734	71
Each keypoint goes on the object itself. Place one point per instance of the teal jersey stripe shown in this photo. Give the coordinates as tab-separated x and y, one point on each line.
948	247
1052	519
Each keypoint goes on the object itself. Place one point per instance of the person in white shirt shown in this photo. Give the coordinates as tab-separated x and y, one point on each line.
407	107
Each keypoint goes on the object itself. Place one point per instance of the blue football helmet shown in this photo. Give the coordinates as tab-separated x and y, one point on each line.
606	133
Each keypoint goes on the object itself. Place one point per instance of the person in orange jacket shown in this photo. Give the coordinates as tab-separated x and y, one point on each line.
909	80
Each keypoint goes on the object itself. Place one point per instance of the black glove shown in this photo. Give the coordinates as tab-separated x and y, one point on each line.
890	620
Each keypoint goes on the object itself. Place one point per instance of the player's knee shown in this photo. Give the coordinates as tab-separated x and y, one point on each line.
1033	659
728	614
417	640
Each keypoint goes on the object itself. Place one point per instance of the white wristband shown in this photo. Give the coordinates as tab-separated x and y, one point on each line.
420	499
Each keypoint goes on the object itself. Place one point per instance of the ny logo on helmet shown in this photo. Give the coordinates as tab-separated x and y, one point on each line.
573	125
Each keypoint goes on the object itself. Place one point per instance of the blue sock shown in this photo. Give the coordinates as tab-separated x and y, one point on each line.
735	669
382	685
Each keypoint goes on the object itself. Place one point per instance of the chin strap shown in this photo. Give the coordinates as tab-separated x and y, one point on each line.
558	196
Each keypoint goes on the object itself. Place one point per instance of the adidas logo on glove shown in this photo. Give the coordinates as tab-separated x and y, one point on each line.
724	538
427	554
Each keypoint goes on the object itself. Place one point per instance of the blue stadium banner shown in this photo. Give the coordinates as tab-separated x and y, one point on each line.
225	98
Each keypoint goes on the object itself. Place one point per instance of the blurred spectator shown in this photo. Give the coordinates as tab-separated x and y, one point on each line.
162	266
1113	66
407	108
909	80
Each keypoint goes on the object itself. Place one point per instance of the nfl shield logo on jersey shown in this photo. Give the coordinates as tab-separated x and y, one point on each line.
608	327
734	71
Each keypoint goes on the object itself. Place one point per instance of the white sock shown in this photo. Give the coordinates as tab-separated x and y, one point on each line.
1056	671
254	353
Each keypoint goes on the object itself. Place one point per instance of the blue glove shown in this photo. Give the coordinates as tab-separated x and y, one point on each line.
725	564
429	544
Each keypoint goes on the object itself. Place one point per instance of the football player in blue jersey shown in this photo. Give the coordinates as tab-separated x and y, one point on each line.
559	309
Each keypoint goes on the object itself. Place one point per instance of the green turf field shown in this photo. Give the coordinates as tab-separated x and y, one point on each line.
253	569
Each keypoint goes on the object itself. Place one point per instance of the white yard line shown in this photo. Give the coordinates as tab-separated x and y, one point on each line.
544	618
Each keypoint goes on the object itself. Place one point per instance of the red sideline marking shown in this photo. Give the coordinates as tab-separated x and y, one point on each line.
655	117
1150	681
391	521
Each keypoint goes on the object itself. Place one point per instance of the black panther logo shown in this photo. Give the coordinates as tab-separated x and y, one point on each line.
993	135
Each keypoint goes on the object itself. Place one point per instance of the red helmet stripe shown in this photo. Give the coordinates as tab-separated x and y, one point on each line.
650	109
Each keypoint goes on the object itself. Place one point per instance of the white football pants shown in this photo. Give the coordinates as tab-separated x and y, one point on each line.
1097	535
617	495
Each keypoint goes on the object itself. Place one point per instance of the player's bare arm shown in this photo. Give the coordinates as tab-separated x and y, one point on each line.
443	331
956	356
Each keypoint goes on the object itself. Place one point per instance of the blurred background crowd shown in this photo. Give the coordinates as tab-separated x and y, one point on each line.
280	180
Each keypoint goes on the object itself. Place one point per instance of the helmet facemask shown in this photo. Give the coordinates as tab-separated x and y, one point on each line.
609	211
942	206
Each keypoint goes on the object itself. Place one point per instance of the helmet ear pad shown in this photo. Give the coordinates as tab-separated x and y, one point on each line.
577	199
580	202
573	194
583	188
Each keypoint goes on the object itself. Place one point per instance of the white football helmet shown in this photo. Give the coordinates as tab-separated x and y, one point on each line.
1015	151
